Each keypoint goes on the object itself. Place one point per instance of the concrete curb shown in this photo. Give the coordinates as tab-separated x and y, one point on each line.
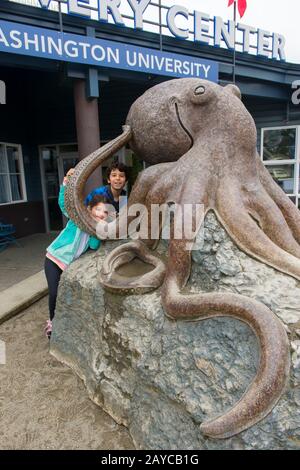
20	296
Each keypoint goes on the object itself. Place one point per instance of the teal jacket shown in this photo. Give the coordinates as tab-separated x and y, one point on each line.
68	243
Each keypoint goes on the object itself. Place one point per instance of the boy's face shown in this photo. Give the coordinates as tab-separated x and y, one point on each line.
100	211
117	179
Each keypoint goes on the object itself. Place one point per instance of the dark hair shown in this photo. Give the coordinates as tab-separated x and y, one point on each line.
116	165
96	199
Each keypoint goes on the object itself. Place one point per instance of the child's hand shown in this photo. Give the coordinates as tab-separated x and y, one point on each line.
70	172
68	176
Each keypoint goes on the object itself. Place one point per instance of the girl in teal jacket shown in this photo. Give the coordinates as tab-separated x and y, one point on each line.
68	246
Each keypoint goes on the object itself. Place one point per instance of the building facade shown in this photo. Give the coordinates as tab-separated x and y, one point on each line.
59	107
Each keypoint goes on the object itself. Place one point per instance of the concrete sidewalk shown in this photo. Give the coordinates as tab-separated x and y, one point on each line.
19	262
23	294
22	279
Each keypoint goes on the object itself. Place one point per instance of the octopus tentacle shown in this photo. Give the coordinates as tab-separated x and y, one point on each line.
287	207
250	238
271	220
123	254
269	383
74	199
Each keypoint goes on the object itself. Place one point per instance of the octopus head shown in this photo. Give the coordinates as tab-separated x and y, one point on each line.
169	118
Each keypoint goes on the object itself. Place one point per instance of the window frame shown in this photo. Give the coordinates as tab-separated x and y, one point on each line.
295	162
22	174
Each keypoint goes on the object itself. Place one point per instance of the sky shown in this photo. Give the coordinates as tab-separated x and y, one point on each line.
276	16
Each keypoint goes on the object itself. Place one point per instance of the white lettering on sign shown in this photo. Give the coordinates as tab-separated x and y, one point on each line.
224	33
247	31
112	7
296	94
80	9
201	27
181	67
211	30
138	8
171	17
263	43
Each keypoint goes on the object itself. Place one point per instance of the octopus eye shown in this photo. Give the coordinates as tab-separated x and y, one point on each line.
200	90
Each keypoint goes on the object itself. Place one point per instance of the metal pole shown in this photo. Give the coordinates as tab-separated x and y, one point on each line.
60	16
234	51
160	25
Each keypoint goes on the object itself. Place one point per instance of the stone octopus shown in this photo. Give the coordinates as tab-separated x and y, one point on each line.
201	142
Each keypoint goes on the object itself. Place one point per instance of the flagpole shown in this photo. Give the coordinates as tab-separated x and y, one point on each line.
60	16
160	25
234	51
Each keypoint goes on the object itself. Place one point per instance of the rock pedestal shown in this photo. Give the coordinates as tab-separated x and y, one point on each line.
162	378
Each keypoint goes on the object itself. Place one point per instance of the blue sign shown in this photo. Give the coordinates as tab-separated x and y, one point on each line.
48	44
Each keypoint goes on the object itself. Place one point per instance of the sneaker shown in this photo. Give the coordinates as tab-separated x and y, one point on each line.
48	329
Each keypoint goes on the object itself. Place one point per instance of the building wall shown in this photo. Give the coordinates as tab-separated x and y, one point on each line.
18	127
28	218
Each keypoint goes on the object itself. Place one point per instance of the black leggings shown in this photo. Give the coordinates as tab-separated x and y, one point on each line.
53	273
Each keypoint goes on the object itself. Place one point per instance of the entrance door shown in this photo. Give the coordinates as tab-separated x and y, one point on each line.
55	161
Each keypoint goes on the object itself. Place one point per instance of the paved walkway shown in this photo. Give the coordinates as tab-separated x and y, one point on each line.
22	279
21	295
43	404
19	262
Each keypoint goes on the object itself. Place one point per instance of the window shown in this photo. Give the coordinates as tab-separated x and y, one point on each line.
12	185
280	152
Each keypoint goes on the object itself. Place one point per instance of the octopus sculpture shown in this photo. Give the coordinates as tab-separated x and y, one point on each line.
201	143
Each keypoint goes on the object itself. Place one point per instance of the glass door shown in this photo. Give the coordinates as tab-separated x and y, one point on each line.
68	158
55	161
50	185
